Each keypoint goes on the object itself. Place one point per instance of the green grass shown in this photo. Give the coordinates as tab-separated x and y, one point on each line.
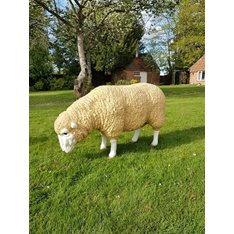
141	190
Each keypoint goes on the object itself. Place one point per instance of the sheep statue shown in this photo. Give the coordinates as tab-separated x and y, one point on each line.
112	110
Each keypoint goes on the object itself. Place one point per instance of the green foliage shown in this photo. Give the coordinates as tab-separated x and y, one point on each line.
142	190
69	81
40	66
112	32
189	44
57	84
39	85
111	43
64	48
123	82
66	82
177	35
116	44
149	60
133	81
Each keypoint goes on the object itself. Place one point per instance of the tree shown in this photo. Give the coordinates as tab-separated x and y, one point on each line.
109	48
39	62
88	17
63	48
189	43
115	50
75	16
159	38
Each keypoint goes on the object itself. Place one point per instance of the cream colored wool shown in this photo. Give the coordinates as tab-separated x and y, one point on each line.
114	109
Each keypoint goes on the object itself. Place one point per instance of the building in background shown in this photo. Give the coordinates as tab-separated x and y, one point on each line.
138	70
197	72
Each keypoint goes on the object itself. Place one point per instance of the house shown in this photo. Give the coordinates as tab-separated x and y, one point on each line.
138	70
197	72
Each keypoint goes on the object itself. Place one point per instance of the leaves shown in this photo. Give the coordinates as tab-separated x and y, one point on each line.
189	43
159	39
112	30
39	60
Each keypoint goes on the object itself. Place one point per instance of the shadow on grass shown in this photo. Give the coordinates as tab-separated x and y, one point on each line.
167	140
37	140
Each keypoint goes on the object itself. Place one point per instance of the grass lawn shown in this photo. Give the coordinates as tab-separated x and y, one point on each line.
141	190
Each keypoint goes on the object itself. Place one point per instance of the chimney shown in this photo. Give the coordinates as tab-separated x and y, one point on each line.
137	53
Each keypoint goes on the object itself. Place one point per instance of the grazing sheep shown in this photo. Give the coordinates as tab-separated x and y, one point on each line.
112	110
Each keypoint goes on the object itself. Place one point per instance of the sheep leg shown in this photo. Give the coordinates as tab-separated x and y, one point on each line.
155	139
136	135
113	148
103	144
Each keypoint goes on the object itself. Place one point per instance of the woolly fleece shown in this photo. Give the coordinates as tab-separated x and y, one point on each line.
114	109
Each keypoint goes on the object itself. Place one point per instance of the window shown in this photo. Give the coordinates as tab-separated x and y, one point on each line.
201	75
136	73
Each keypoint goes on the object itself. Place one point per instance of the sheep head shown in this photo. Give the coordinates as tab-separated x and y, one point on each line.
68	131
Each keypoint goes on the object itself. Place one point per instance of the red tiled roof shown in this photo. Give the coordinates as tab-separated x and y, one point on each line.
137	65
199	65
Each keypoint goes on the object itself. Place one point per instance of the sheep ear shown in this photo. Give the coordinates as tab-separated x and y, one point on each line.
73	125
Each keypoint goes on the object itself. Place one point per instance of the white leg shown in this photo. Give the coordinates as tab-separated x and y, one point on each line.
155	140
136	135
103	144
113	148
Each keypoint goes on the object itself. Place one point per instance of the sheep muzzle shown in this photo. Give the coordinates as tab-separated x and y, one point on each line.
67	141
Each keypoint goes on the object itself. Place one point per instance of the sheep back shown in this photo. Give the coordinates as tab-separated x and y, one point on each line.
127	108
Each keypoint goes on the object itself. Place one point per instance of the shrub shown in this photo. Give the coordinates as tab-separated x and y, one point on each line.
69	82
123	82
57	84
39	85
133	81
31	88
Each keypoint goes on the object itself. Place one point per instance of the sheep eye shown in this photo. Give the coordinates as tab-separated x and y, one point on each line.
65	133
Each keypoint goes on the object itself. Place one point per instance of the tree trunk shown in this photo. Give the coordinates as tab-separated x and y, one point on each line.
79	88
89	67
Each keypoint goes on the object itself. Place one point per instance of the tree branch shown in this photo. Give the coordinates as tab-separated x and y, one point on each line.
109	13
73	8
43	5
78	4
107	4
55	6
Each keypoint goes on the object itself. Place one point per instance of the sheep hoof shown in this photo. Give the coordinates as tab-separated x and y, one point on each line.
111	155
102	147
152	145
132	141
